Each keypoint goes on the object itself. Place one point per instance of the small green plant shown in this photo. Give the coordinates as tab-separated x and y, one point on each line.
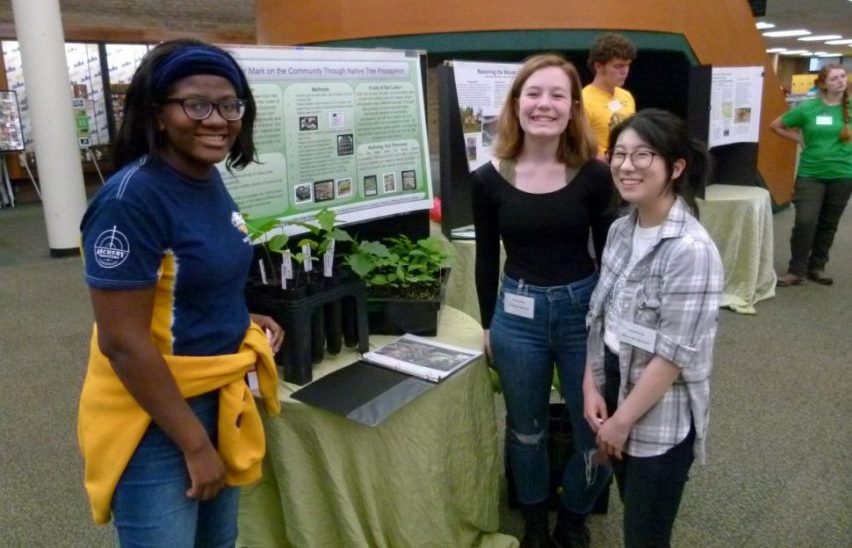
399	267
320	241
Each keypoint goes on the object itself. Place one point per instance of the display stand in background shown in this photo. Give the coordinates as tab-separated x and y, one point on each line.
724	111
11	140
455	184
739	219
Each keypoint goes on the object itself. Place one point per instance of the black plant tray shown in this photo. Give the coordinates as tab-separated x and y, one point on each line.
313	323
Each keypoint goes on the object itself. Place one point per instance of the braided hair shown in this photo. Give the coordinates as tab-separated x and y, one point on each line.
845	132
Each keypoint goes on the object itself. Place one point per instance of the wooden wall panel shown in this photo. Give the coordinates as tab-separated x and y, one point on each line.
720	33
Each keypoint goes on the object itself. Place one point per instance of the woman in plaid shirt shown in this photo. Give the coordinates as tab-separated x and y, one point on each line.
652	321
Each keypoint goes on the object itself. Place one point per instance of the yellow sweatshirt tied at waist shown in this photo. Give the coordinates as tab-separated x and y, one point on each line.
111	424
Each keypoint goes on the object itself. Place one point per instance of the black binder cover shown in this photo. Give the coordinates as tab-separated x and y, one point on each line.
363	392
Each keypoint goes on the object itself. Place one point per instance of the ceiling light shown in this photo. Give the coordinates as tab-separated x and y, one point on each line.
797	52
776	50
840	42
786	33
820	38
827	54
760	25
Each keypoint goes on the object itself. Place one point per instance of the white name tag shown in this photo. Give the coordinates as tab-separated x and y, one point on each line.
614	105
637	335
254	386
824	120
519	305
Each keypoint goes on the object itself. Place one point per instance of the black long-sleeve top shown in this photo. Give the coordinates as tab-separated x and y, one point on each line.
545	235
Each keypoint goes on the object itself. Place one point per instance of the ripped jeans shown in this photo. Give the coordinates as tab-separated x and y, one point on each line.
524	352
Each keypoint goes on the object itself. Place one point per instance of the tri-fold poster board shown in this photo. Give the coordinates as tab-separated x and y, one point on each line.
472	94
343	129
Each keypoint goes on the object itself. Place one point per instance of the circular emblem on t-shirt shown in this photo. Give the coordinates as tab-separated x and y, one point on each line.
111	248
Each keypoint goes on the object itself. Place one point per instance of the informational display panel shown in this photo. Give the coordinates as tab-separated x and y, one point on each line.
735	100
481	90
335	128
11	132
84	73
122	61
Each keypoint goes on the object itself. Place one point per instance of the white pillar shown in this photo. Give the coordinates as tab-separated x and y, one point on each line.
38	26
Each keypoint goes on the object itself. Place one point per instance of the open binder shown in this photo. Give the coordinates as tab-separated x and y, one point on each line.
384	380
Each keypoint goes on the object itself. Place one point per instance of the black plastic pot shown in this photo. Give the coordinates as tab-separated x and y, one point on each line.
305	323
390	316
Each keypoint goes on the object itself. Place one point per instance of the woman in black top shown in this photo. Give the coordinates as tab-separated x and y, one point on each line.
542	195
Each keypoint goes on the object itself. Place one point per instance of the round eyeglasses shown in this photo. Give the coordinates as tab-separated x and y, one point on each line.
641	159
199	109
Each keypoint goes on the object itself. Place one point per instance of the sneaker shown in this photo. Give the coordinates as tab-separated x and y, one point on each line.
788	279
819	277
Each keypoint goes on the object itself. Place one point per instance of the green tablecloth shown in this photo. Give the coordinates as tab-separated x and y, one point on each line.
739	219
427	476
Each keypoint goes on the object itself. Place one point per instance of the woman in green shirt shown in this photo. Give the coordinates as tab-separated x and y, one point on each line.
824	177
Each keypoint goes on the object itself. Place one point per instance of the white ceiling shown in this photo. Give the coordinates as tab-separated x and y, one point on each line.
818	16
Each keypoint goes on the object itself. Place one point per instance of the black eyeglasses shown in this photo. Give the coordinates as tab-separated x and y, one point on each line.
641	159
197	108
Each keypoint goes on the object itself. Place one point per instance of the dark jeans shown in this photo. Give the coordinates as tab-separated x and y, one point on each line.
524	352
150	507
819	206
650	487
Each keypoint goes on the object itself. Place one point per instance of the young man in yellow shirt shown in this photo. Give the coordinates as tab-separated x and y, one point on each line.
606	102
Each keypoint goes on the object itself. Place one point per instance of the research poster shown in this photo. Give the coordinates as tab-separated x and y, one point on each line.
735	99
481	90
11	133
338	129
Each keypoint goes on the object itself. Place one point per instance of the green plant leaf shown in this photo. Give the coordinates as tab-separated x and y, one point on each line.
325	218
341	235
277	243
375	248
310	227
360	264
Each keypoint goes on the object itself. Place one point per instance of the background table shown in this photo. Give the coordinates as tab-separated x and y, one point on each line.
427	476
739	219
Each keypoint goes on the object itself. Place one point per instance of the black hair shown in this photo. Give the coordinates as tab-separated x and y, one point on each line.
668	136
138	134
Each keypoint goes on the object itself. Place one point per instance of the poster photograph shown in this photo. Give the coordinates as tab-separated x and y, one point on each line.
344	187
389	182
326	118
371	185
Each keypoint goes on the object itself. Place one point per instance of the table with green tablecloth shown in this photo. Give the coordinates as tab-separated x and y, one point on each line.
426	476
739	219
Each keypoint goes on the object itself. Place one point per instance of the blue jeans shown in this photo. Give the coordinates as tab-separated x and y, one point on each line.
150	507
649	487
819	206
524	352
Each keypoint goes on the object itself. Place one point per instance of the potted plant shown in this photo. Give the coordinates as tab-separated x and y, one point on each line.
302	298
405	280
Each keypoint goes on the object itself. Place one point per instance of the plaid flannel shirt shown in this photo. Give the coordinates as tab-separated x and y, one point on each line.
674	289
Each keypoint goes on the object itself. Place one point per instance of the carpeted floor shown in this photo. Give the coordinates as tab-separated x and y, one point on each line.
779	472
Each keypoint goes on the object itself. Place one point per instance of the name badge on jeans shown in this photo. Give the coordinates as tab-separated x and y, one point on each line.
637	335
519	305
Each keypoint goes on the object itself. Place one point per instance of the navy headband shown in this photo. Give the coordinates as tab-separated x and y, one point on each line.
193	60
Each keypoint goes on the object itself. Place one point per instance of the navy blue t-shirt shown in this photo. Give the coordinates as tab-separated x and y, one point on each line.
151	226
